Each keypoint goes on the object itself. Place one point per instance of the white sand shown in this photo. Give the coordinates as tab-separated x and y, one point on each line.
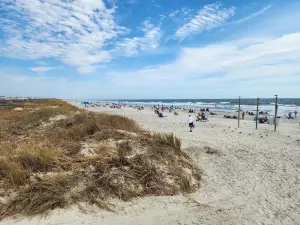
254	178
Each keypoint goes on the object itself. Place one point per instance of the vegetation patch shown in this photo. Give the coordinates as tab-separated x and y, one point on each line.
46	167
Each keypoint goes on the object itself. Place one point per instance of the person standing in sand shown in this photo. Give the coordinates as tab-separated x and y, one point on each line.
243	115
295	114
191	123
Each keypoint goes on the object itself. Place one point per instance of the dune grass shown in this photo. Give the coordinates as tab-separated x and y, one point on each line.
40	197
45	167
13	172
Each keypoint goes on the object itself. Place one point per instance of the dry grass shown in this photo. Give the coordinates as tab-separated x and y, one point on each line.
16	123
40	197
44	165
39	157
13	172
169	140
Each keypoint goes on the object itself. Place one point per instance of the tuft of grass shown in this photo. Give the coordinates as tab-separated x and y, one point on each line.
21	123
162	142
168	139
40	197
30	120
38	157
123	149
13	172
78	127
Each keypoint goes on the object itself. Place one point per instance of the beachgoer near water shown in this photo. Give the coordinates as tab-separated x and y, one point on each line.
295	114
243	115
191	122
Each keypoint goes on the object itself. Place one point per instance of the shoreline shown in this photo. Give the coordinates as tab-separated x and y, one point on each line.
217	106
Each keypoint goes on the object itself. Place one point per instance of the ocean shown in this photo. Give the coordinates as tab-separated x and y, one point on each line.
285	105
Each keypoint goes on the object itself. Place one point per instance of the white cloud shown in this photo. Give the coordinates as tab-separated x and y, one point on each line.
86	69
42	69
155	4
211	16
186	11
174	13
254	14
77	32
150	40
248	67
80	33
266	64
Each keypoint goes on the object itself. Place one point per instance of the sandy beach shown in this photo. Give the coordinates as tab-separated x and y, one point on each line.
249	176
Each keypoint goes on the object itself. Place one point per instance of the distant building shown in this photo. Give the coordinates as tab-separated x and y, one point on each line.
14	98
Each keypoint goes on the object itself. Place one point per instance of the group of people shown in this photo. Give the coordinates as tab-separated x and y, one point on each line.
160	109
160	114
203	110
264	119
201	116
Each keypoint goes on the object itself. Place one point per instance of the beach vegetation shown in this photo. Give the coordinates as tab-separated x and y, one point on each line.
54	155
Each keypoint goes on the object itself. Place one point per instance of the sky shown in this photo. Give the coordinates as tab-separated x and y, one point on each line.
142	49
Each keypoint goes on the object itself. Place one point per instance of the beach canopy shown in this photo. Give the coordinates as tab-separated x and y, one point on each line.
85	103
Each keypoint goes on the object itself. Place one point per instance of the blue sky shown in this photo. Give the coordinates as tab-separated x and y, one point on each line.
150	48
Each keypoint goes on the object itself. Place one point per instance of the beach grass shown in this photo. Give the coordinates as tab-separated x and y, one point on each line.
53	155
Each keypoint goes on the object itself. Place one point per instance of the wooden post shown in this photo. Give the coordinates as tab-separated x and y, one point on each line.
239	111
276	108
257	112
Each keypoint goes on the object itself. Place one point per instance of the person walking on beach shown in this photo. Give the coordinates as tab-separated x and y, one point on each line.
191	123
243	115
295	114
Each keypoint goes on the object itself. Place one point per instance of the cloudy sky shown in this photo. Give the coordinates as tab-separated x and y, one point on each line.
150	48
